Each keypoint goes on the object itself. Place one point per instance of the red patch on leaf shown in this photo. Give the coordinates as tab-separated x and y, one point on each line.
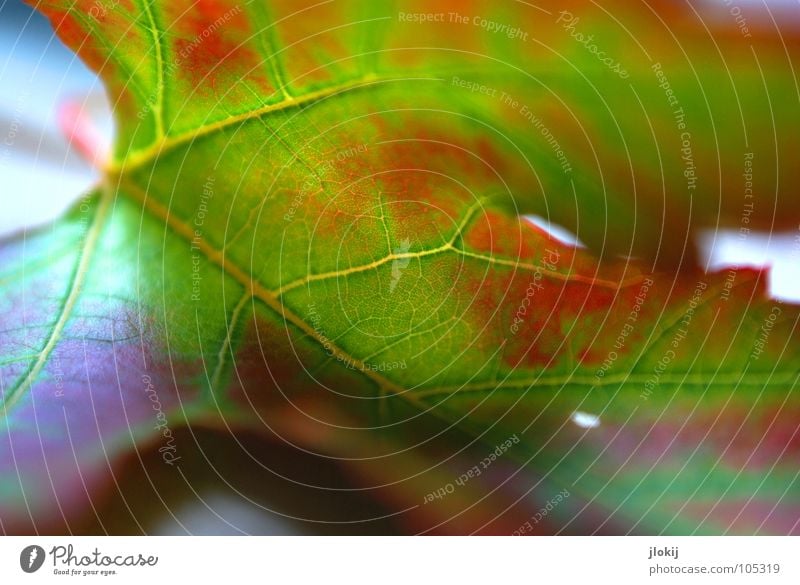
212	48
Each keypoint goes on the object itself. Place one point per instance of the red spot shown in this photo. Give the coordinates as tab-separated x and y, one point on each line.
538	311
213	48
497	234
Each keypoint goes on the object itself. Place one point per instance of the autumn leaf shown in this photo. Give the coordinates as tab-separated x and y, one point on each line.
310	229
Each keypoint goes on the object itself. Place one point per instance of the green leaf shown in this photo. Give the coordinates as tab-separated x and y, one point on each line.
310	228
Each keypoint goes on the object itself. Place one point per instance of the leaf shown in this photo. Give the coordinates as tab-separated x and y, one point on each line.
310	229
628	163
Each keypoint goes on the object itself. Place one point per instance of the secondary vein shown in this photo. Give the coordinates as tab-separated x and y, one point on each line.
158	107
141	157
75	289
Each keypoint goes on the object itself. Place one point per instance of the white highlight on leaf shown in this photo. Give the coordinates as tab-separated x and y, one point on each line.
779	251
585	420
556	231
399	264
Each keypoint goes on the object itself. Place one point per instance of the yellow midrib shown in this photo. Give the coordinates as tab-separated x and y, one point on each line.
255	288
